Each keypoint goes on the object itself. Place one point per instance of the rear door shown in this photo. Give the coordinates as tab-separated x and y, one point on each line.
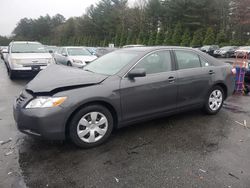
195	77
154	93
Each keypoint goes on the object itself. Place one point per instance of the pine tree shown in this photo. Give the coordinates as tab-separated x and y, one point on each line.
145	39
122	40
209	38
186	38
168	37
129	38
197	38
117	39
139	39
152	38
221	38
176	38
159	37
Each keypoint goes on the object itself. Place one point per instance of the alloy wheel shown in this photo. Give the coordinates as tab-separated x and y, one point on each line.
92	127
215	100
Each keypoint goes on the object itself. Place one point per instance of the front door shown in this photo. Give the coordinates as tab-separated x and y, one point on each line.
154	93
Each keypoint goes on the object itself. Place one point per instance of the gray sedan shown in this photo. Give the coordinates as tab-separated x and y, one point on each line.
121	88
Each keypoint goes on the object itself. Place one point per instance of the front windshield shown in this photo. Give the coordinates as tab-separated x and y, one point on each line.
78	52
205	48
226	48
27	48
112	63
245	48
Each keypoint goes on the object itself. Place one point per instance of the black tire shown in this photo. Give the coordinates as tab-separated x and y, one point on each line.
69	64
73	126
227	55
207	107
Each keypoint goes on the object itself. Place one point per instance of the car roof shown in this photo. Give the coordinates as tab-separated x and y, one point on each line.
154	48
21	42
73	47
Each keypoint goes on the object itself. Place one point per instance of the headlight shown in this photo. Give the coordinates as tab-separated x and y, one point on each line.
77	61
16	62
46	102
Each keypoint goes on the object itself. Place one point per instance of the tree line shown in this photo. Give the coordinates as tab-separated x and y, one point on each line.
148	22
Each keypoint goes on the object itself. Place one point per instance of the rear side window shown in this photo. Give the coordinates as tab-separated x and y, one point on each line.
156	62
187	60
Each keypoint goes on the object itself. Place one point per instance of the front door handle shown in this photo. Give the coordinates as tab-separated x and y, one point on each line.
171	79
211	72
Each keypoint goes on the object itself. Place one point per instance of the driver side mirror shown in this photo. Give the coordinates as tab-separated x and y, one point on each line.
64	54
136	73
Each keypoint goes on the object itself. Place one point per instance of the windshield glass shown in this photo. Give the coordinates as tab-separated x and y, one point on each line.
28	48
227	48
78	51
245	48
111	63
205	48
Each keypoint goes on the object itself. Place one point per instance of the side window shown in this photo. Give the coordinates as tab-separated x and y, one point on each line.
187	60
156	62
63	51
204	63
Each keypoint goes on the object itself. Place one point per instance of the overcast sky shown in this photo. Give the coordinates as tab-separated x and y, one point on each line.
11	11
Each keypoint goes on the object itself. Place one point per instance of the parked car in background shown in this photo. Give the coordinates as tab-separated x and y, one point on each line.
242	51
226	51
104	50
73	56
209	49
121	88
3	52
26	58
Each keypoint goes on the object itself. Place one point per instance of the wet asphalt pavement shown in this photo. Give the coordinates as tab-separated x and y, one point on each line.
186	150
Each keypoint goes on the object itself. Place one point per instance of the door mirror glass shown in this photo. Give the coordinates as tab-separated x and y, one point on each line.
137	73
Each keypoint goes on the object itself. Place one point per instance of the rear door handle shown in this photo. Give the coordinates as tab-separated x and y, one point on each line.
211	72
171	79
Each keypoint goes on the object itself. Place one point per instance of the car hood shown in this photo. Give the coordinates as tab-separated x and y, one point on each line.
59	77
31	55
84	58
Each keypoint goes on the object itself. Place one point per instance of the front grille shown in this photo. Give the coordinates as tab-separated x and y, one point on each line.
35	64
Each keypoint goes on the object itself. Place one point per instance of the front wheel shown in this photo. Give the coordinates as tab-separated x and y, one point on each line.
91	126
69	64
214	101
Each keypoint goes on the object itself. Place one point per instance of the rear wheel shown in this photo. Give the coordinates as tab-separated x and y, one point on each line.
91	126
69	64
214	100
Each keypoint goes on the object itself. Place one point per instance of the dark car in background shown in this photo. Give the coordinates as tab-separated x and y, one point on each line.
226	51
243	51
101	51
209	49
118	89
